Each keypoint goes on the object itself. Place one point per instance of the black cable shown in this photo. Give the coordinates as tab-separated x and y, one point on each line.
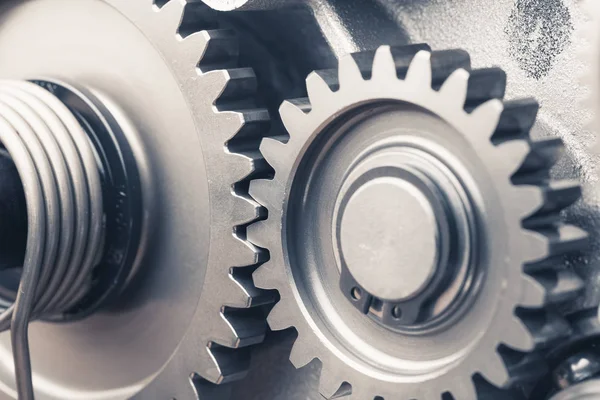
63	189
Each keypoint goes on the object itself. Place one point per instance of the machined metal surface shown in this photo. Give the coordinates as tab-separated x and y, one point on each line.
174	84
325	146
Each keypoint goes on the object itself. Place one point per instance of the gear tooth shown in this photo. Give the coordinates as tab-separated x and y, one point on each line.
516	120
518	336
274	152
384	65
203	388
239	297
299	356
514	153
318	89
241	166
366	392
487	391
258	232
455	87
536	247
248	295
332	387
463	391
252	124
278	317
223	333
534	293
567	287
243	253
523	368
485	84
241	84
263	276
215	83
348	72
197	16
555	240
293	115
557	195
559	286
248	326
485	120
228	364
531	199
244	211
266	192
419	71
546	327
543	155
445	62
220	49
192	49
239	125
172	14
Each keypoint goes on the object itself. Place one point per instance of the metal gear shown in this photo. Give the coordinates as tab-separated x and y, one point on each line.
413	229
190	113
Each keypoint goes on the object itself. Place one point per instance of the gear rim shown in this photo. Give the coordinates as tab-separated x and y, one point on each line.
342	377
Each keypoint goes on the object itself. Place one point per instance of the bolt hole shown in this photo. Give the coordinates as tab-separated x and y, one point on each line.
397	312
356	293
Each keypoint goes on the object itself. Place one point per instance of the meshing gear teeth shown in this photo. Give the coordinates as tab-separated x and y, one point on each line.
494	342
228	317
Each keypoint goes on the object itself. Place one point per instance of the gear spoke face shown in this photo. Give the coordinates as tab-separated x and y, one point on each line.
411	228
190	113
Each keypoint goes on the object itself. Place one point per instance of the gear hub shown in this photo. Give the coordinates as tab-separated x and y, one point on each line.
406	231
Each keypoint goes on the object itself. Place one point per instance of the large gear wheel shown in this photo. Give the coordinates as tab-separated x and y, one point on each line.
413	229
192	310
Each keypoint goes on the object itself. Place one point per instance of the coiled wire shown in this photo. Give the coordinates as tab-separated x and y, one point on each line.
63	189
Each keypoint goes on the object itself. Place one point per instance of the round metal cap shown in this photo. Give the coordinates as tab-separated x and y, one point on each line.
389	238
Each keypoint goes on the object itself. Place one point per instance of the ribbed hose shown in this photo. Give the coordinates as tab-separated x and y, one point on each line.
63	189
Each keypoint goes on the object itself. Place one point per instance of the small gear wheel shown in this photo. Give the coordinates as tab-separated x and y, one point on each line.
413	229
